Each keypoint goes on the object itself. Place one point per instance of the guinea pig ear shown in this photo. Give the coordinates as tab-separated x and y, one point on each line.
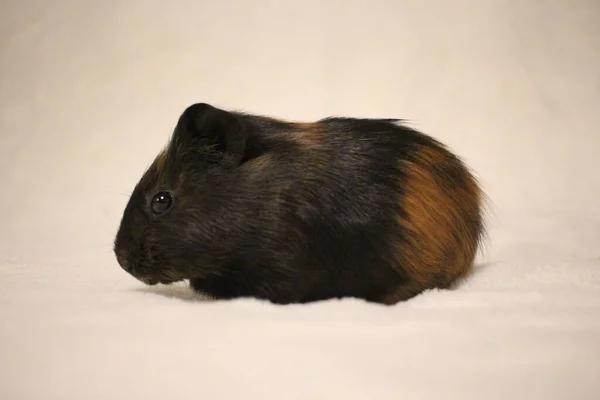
203	124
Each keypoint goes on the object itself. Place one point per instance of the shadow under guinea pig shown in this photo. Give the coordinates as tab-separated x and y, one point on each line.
182	290
179	290
478	268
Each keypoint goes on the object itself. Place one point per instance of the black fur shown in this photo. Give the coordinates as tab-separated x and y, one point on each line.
317	220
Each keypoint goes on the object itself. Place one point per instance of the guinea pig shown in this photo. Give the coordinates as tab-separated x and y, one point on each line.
252	206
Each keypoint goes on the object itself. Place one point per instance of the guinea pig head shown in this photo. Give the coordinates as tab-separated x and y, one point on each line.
165	232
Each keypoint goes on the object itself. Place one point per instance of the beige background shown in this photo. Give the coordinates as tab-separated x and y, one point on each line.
90	90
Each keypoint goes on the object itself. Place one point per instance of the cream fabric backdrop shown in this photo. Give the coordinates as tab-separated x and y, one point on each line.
90	91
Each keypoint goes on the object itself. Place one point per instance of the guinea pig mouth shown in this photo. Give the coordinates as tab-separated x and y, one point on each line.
155	281
151	281
164	275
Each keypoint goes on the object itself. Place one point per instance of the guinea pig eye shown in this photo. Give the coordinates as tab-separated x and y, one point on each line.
161	202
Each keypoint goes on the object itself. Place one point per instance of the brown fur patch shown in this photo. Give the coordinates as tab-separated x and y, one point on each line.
261	163
154	175
308	135
256	167
442	222
160	160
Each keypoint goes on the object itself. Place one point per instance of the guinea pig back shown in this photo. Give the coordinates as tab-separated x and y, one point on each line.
244	205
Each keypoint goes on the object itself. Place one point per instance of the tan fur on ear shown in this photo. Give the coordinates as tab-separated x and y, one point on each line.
441	222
